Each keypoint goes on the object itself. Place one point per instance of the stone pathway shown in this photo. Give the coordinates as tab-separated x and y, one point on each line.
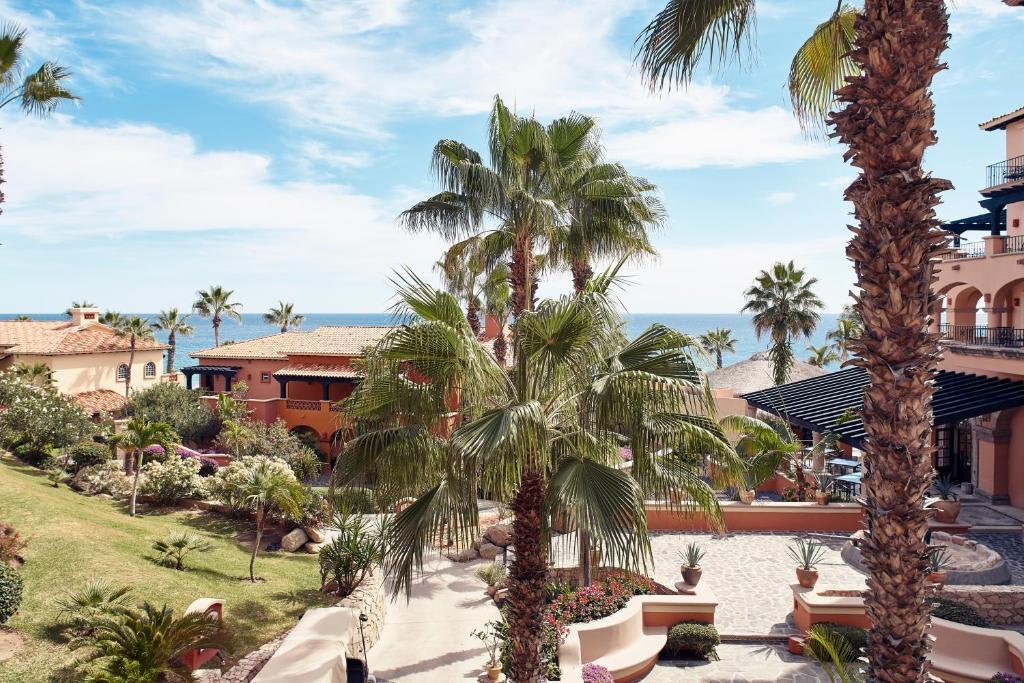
742	663
427	638
750	574
1010	546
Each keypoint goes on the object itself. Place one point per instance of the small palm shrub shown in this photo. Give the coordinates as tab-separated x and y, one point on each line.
172	480
352	554
834	653
491	574
82	610
595	673
87	453
958	612
107	478
11	588
855	638
692	639
173	551
11	545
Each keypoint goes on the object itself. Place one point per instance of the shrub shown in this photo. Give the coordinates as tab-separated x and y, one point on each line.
87	453
81	610
11	544
355	499
171	480
31	455
227	482
173	551
313	510
556	589
855	637
491	574
352	554
10	592
275	440
595	673
957	612
305	464
35	420
692	639
189	415
107	478
600	599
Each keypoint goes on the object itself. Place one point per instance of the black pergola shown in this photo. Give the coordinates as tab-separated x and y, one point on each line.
325	375
982	221
228	372
820	403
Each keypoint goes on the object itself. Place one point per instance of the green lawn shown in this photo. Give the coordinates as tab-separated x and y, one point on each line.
76	538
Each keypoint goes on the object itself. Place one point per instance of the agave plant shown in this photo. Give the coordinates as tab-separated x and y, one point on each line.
808	553
693	554
938	558
82	610
944	487
172	551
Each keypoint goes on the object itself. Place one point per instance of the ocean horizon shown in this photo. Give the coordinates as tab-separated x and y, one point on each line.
252	326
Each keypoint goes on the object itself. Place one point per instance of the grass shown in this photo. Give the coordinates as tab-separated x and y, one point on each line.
76	538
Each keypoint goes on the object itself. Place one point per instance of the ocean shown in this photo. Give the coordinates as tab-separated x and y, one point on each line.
252	326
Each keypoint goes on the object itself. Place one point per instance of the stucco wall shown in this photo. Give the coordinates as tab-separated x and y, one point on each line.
251	373
89	372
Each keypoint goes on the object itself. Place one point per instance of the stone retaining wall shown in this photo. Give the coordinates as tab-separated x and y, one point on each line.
1001	605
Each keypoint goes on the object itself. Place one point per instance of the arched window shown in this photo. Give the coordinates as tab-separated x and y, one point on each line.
150	370
122	372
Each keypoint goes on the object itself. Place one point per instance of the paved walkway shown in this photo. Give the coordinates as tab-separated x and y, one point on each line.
742	663
426	639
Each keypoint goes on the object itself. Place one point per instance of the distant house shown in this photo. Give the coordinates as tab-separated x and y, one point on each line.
88	361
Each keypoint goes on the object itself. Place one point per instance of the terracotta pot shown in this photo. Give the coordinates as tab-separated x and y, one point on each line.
747	497
493	672
938	577
821	497
806	577
691	575
946	511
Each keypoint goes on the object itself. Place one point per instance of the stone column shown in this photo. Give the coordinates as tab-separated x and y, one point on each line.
993	463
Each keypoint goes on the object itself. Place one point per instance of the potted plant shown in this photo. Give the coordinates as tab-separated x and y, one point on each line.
938	560
807	553
947	507
823	482
749	490
690	568
490	636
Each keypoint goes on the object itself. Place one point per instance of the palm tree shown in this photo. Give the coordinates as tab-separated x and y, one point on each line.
718	341
173	550
36	374
110	318
84	303
875	67
543	436
146	644
497	302
848	328
282	315
234	436
821	356
82	610
136	329
173	323
41	91
461	269
215	302
783	305
138	435
266	489
21	318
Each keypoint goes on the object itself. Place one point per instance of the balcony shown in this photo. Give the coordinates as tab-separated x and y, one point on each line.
973	335
1006	172
964	250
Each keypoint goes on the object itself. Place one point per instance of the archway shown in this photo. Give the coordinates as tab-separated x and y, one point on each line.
1006	305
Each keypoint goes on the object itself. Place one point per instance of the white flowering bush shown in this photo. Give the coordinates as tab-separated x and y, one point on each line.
222	485
34	420
107	478
173	479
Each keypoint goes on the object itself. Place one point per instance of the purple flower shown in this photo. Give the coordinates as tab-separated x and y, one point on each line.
595	673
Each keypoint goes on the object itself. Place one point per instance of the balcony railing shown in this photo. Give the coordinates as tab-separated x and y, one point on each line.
965	250
1013	244
1006	171
294	404
983	336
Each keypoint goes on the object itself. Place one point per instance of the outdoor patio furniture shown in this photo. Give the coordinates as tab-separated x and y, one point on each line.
849	484
314	651
843	465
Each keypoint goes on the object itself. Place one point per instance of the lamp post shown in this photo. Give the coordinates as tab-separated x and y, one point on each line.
366	657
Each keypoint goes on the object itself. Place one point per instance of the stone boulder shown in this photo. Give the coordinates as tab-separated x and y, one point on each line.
489	551
315	535
293	540
499	534
464	555
313	548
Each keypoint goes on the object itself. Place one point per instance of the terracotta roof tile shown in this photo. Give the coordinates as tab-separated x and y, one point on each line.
62	337
1003	120
324	341
100	401
318	370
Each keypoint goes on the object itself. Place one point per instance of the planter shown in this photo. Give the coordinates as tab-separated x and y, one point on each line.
946	511
938	577
795	644
494	672
747	497
691	575
821	497
806	577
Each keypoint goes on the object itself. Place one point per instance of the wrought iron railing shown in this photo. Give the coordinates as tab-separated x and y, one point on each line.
1013	244
964	250
1006	171
983	336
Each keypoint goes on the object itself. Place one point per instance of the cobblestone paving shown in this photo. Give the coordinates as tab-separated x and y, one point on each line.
750	574
1011	547
742	663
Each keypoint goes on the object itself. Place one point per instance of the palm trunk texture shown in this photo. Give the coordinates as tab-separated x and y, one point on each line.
526	597
171	342
473	318
136	457
581	274
520	274
887	123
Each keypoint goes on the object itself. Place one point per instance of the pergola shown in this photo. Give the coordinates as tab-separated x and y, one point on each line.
228	372
325	374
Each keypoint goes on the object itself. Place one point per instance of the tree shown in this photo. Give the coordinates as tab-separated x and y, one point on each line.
717	342
173	323
821	356
136	329
283	316
35	374
40	420
848	328
783	305
235	436
41	91
267	488
84	303
189	415
175	549
498	303
461	271
542	436
138	435
214	303
873	68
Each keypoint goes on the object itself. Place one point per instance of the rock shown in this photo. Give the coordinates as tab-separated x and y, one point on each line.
464	555
499	534
501	596
315	535
293	540
313	548
489	551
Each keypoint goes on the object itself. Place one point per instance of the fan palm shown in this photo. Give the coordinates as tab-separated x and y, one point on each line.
543	435
173	323
146	644
173	550
84	303
282	315
138	435
784	304
110	318
215	303
82	610
847	329
873	68
461	270
40	92
717	342
136	329
37	374
497	303
234	436
821	356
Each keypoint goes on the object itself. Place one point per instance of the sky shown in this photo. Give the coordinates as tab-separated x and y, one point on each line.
268	146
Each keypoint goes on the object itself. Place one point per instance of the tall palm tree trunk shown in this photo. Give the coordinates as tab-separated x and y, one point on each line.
521	274
473	317
581	274
887	125
718	357
136	458
131	362
171	342
500	347
216	330
526	598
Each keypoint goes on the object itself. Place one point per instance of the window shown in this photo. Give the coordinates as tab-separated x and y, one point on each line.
264	376
122	372
150	371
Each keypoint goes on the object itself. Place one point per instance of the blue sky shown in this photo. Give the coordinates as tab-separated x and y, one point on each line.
267	146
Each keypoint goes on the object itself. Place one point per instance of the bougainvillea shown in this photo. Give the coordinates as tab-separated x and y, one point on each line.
595	673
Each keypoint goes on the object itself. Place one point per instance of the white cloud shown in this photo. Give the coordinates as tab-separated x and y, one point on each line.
972	16
780	198
838	182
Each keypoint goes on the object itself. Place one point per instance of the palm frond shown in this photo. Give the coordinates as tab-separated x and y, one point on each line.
821	66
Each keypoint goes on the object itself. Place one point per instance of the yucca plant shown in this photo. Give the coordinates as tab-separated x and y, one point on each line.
692	554
938	558
82	610
807	552
172	551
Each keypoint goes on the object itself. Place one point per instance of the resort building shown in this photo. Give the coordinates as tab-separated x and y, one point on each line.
87	360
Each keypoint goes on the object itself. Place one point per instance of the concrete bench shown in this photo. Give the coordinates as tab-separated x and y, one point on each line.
627	643
969	654
835	605
314	651
194	659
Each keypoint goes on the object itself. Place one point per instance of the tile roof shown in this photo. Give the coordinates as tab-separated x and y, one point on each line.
349	340
100	401
318	370
1003	120
62	337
